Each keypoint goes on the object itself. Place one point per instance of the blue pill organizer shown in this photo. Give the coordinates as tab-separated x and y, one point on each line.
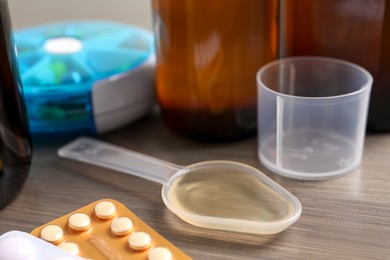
85	76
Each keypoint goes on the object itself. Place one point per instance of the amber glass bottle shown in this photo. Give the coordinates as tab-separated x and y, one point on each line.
208	53
354	30
15	143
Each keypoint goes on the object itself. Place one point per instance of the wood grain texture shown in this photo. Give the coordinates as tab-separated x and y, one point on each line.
343	218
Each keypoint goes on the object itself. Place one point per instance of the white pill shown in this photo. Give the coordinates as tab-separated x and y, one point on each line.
105	210
70	247
52	234
79	222
139	240
121	226
159	253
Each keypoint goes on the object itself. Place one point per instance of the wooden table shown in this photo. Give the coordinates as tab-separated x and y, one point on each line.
342	218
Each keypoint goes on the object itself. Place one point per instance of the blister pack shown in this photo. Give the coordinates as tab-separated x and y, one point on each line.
106	229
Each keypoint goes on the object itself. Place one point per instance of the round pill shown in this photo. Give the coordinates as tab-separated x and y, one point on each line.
159	253
139	240
70	247
105	210
79	222
52	234
121	226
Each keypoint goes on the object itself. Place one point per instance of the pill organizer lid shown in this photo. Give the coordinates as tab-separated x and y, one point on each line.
72	70
32	247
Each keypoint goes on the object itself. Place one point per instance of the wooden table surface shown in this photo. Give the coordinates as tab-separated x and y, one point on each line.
342	218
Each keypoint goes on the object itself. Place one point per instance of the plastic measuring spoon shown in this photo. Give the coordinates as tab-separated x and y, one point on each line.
222	195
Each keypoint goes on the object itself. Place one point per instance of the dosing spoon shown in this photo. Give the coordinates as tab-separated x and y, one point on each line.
223	195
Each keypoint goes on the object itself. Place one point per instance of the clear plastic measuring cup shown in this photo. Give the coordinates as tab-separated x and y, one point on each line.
312	116
222	195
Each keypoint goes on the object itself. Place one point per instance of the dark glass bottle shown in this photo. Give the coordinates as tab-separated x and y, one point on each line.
15	142
353	30
208	53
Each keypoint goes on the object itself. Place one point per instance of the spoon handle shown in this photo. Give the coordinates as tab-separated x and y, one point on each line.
117	158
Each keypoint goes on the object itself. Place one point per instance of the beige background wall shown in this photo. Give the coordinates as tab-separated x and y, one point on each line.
26	13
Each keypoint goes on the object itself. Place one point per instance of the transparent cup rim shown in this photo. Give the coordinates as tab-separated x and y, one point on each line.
365	87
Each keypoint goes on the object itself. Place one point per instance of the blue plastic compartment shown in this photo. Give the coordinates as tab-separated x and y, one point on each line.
57	85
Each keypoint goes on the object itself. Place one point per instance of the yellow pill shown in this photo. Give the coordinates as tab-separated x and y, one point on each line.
105	210
70	247
79	222
121	226
52	234
139	240
159	253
